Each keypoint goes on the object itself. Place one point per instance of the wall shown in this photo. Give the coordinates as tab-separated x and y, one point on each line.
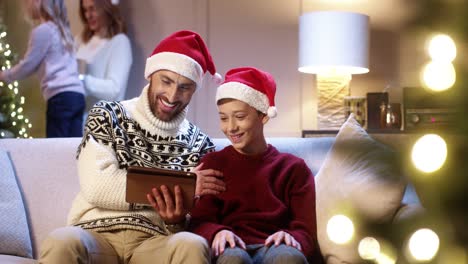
261	33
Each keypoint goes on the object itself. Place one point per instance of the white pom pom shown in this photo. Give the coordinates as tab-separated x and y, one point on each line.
272	112
217	78
115	2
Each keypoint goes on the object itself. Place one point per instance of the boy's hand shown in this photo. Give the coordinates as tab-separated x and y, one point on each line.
283	237
208	181
222	238
162	201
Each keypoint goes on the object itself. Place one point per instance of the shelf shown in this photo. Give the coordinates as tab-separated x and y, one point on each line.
327	133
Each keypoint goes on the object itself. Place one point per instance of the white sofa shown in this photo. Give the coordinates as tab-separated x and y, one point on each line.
47	176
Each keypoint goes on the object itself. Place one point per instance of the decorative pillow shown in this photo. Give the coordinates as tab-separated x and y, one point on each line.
359	178
14	232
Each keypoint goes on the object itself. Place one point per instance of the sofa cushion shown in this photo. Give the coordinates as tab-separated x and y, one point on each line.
14	231
16	260
359	178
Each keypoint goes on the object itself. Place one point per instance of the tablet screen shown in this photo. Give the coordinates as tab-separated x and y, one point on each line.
141	180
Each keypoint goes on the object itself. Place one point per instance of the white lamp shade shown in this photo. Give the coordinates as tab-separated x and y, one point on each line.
333	41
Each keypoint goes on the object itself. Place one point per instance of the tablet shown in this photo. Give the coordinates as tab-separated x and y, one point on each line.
141	180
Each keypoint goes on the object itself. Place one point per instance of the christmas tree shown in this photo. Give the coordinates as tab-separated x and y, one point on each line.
13	123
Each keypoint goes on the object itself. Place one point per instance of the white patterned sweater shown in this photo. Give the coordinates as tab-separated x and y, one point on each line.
122	134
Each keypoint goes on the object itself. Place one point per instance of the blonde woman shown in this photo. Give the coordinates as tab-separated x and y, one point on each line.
50	54
104	51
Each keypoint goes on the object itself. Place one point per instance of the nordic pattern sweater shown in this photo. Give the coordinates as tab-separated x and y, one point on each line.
122	134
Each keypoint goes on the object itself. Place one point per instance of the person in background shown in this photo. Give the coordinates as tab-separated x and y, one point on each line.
104	52
147	131
51	54
267	213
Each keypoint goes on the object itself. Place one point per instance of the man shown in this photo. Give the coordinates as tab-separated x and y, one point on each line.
149	131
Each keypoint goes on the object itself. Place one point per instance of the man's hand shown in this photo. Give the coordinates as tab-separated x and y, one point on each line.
162	201
283	237
222	238
208	181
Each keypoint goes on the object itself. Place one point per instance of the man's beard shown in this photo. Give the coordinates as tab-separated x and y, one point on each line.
154	102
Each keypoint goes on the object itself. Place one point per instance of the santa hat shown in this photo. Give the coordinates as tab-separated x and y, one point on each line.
185	53
252	86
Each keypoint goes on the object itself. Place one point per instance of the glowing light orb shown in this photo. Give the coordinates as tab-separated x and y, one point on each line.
438	75
340	229
429	153
442	48
423	244
369	248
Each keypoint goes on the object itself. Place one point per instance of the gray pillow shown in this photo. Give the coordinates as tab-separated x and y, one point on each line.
14	231
360	177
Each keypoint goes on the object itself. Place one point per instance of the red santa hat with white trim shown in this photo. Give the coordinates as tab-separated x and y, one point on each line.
184	52
255	87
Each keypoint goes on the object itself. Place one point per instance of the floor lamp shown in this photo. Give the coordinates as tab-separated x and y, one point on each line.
333	45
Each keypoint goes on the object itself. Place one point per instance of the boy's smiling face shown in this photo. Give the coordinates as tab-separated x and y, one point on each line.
243	126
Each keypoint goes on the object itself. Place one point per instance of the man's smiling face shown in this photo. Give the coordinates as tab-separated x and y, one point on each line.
169	94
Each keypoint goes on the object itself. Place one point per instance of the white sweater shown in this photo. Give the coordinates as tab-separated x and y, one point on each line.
118	135
108	67
46	55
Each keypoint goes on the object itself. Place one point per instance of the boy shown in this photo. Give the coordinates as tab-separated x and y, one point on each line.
267	213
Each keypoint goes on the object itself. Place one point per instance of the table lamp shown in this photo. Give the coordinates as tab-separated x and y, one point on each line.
333	45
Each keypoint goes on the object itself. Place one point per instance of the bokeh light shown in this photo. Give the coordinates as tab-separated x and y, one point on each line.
429	153
423	244
442	48
340	229
369	248
453	254
438	75
385	259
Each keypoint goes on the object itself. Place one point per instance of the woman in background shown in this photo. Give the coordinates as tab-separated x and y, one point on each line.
51	54
104	52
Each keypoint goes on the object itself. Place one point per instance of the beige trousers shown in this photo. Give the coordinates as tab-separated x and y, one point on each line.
77	245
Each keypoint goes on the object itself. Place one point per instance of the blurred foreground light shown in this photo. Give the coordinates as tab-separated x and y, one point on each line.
429	153
340	229
423	244
385	259
369	248
438	75
442	48
453	254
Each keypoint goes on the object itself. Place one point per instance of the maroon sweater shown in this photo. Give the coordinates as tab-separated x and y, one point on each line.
264	194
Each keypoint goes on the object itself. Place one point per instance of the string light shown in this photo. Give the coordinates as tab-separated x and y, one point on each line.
13	121
429	153
340	229
439	74
424	244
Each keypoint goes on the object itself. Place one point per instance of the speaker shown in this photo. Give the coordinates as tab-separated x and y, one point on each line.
427	110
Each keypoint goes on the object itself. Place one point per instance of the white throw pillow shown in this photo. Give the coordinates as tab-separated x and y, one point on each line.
359	178
14	232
